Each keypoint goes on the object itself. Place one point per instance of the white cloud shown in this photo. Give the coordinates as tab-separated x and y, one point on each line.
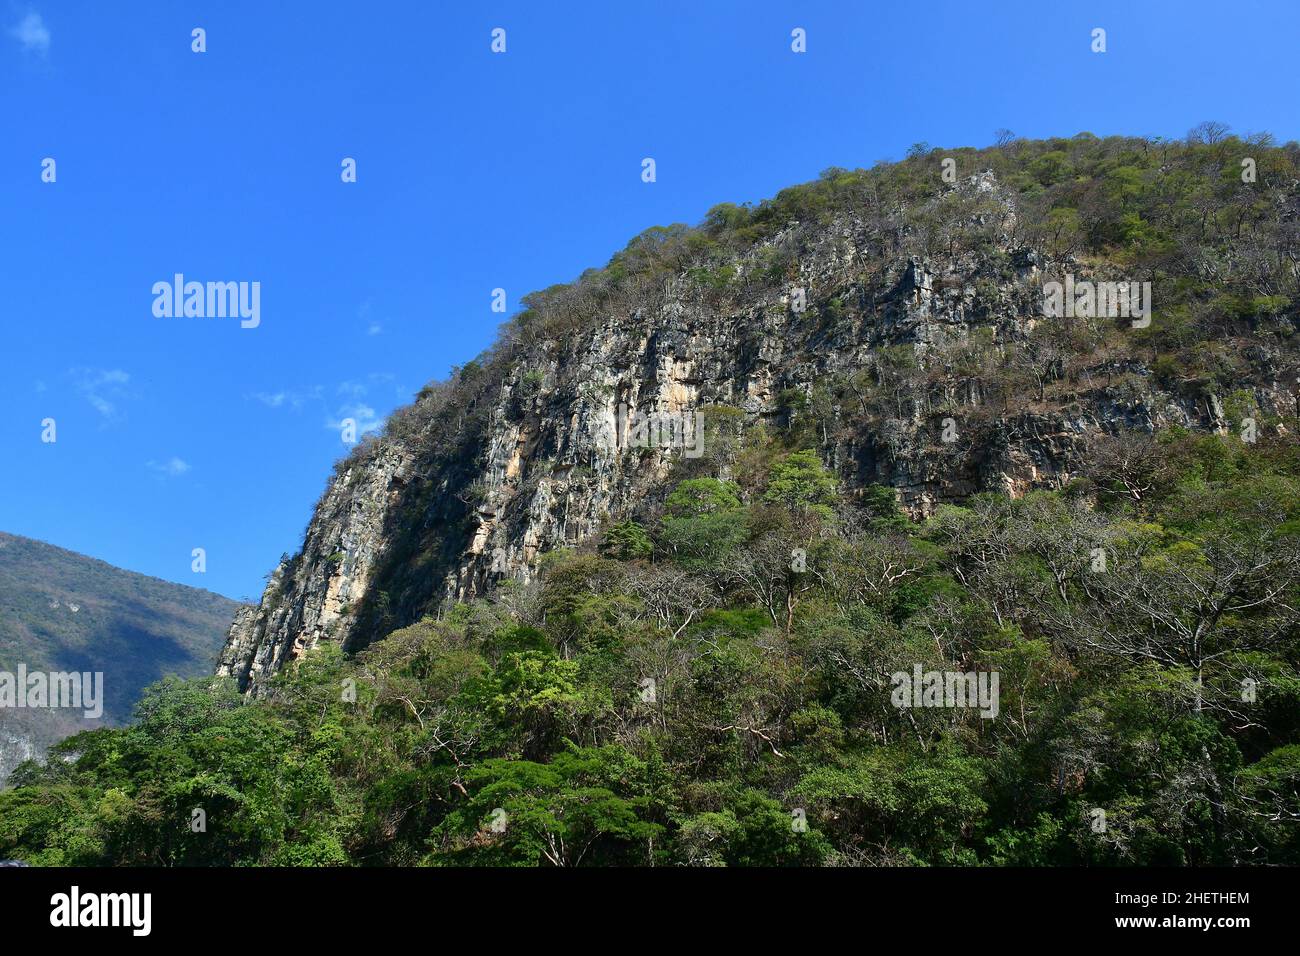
102	388
294	400
172	468
366	313
364	416
32	33
353	398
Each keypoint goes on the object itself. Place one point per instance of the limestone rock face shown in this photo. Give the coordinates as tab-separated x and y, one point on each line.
309	598
480	477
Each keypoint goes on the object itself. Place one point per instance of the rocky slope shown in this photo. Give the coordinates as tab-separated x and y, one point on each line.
904	334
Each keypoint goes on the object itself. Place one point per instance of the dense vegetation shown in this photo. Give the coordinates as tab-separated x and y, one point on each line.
64	611
520	730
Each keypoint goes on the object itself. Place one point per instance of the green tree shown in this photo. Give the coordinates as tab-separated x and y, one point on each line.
626	541
800	483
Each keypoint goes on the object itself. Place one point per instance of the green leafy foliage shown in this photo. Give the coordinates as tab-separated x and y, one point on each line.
663	706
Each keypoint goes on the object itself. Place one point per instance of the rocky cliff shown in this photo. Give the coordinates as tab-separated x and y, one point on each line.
902	333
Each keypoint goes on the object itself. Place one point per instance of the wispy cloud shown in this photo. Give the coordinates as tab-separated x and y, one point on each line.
365	312
103	388
290	399
172	468
362	414
32	33
352	401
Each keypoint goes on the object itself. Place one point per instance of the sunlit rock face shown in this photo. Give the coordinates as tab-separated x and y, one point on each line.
513	457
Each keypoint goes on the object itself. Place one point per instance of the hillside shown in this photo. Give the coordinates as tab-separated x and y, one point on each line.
950	579
867	315
62	611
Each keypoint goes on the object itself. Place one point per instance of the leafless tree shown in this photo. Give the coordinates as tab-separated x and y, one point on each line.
1131	461
1193	603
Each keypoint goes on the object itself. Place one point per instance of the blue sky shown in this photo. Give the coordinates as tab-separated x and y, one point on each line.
475	171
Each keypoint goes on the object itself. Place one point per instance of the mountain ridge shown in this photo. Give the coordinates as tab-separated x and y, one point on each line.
65	611
876	308
959	576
